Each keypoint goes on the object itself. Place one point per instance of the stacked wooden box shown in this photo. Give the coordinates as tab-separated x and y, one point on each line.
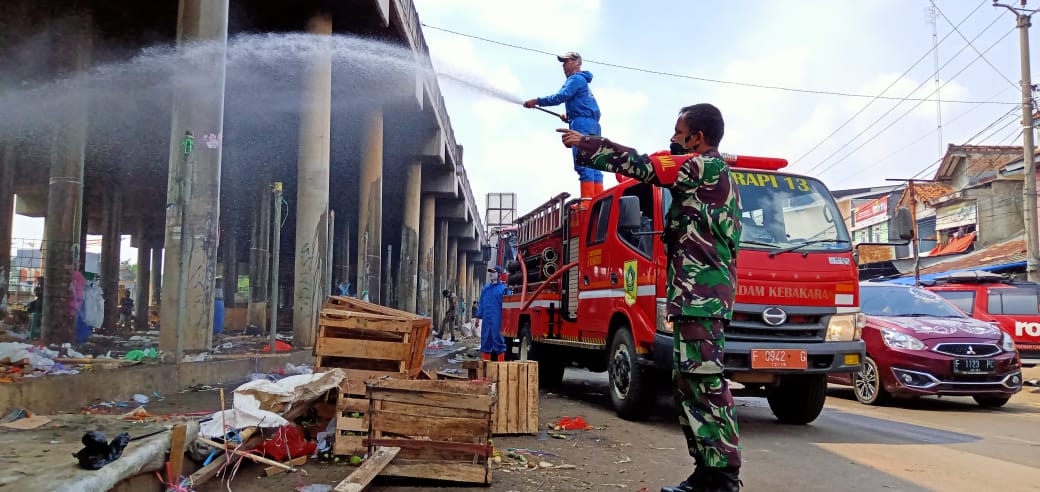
517	385
368	342
443	428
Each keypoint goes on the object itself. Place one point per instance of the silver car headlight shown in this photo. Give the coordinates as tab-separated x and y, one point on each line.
1006	342
846	327
900	340
663	324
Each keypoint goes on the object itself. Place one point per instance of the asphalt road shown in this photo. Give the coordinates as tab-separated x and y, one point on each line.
946	444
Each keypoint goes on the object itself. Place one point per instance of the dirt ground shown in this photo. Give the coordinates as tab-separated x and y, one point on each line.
611	456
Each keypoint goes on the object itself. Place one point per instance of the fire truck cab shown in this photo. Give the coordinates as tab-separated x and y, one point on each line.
589	289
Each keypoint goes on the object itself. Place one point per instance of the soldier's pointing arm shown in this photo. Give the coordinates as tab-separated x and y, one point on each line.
680	172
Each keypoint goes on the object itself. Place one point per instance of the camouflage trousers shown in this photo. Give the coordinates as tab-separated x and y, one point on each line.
706	409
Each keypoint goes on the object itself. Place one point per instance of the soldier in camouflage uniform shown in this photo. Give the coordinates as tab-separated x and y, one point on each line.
701	238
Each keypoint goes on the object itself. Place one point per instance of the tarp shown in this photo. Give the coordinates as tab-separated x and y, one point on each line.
958	245
260	402
932	276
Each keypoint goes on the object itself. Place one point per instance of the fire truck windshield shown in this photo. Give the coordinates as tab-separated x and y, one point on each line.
781	211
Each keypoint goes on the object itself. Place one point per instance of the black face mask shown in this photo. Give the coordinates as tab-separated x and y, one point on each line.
677	148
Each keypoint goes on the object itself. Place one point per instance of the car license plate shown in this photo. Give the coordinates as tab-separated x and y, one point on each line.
974	366
779	359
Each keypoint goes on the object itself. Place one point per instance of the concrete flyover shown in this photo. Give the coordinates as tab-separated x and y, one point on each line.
170	121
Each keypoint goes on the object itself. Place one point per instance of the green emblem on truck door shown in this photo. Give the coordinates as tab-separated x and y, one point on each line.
631	287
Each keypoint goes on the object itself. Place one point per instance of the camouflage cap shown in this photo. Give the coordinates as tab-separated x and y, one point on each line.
570	55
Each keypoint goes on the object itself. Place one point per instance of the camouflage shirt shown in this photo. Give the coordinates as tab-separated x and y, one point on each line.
702	229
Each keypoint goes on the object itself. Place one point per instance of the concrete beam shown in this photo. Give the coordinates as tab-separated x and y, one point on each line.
432	152
451	210
439	183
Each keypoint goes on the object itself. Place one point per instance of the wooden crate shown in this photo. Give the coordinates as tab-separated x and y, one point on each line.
442	427
517	384
365	346
421	325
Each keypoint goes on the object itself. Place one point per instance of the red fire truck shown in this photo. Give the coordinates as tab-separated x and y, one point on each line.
589	290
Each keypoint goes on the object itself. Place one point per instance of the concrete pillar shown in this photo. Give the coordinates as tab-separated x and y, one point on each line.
157	264
453	265
370	207
463	283
424	303
6	220
312	189
407	284
440	269
65	193
111	241
260	259
229	243
144	264
193	191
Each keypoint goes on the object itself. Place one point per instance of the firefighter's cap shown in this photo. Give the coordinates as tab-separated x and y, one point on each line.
570	55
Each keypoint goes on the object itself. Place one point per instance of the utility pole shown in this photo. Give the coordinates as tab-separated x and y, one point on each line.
276	247
915	243
1023	16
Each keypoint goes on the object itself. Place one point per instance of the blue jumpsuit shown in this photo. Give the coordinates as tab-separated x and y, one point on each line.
582	116
489	310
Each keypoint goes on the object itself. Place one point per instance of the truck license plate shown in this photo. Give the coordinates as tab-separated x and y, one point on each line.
779	359
974	366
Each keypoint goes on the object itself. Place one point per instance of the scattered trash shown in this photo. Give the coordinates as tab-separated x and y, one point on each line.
72	352
1032	382
567	423
22	419
565	467
138	355
279	346
317	487
142	399
291	369
97	453
196	357
287	443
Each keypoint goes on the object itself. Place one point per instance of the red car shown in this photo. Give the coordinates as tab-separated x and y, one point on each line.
1014	306
920	344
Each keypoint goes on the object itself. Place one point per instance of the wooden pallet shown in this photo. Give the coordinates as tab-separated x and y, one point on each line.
442	427
517	384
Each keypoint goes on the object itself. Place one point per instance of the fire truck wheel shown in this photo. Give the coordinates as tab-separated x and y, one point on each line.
631	385
799	398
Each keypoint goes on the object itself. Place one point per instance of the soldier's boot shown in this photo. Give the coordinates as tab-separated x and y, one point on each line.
696	482
723	480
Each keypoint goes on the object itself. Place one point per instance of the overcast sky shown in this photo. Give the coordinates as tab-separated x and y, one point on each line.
828	46
808	45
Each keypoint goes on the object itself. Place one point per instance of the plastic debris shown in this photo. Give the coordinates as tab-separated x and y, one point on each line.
142	399
567	423
97	453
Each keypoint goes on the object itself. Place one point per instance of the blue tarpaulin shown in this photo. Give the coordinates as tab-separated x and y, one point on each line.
932	276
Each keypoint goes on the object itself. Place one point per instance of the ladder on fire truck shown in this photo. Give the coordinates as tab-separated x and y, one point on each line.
542	221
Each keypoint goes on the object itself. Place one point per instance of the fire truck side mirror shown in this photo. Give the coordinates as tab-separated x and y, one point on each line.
486	252
902	225
629	216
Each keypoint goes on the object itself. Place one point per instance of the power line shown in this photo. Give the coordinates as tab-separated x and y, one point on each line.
965	38
883	130
705	79
875	98
893	108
